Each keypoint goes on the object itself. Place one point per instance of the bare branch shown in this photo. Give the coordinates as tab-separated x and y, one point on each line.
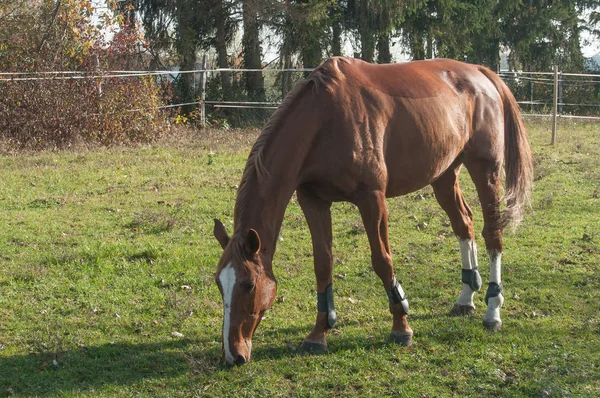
50	25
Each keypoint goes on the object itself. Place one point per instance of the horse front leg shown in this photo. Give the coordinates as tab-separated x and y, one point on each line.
318	217
373	210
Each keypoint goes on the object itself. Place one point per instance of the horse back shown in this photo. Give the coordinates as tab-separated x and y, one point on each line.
398	127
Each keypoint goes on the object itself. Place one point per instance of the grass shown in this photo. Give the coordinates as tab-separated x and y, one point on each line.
104	254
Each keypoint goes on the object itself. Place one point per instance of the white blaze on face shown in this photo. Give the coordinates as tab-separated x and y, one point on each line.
227	280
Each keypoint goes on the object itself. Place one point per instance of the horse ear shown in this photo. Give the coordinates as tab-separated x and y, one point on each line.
252	242
220	233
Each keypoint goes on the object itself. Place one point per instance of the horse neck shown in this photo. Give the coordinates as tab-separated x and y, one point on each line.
262	209
262	202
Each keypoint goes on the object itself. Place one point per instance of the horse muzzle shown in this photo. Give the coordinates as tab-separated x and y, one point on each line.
239	355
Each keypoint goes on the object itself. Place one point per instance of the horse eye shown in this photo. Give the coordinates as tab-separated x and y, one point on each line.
248	286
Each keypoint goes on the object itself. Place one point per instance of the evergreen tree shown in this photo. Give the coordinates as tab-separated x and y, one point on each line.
373	22
459	29
541	33
255	85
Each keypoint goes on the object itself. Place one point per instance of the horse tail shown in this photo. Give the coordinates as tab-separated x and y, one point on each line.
518	162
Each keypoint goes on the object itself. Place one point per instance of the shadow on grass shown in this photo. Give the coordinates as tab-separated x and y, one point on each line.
90	368
370	340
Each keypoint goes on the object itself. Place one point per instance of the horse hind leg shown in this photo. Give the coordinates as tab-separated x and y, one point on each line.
485	175
318	217
450	198
373	210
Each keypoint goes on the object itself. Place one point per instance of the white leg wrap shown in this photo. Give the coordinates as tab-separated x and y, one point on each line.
468	255
466	296
492	315
495	266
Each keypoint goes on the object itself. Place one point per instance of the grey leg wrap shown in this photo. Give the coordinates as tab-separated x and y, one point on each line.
397	296
493	290
325	304
472	278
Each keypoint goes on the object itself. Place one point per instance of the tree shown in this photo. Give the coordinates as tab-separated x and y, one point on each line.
225	27
303	26
457	29
60	36
541	33
373	21
252	50
180	25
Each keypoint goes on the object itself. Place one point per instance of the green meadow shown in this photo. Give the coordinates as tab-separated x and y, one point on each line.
107	263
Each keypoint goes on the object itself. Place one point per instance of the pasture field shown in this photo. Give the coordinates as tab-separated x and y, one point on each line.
107	265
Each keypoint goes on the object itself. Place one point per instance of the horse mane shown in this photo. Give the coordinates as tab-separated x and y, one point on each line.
324	77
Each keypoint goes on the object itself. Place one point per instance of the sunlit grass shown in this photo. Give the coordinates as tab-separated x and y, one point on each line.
99	250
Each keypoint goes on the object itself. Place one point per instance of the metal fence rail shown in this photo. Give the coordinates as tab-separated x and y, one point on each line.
552	86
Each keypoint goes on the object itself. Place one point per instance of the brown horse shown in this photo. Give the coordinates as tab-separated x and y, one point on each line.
358	132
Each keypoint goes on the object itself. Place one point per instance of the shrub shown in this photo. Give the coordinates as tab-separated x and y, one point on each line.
58	110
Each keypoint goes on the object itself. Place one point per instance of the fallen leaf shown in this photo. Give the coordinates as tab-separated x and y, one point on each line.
291	346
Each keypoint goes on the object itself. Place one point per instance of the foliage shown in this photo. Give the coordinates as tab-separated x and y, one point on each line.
57	110
46	35
99	248
542	34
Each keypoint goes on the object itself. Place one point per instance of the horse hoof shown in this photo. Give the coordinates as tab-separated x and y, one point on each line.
460	309
492	326
402	339
313	347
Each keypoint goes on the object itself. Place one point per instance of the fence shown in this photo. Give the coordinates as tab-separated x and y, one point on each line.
541	94
562	95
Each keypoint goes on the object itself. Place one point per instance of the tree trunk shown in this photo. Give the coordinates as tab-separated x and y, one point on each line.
336	43
286	84
221	44
287	49
495	56
367	45
429	44
384	55
252	55
186	44
310	51
417	46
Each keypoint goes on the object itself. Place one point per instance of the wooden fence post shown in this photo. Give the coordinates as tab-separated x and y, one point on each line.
555	105
96	63
560	93
203	92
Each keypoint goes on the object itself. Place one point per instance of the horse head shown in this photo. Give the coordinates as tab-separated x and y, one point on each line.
248	289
